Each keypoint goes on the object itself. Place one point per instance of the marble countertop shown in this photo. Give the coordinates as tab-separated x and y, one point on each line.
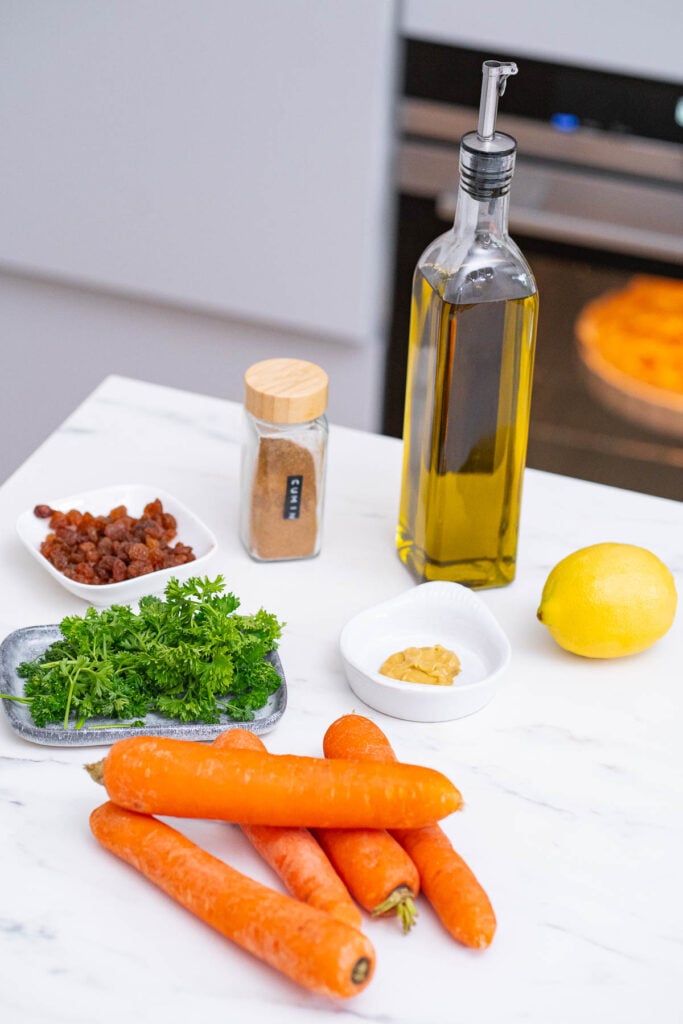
572	776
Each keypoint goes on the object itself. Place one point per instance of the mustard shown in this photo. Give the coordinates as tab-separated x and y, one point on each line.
436	665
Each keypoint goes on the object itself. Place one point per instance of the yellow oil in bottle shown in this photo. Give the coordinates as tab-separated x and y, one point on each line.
468	398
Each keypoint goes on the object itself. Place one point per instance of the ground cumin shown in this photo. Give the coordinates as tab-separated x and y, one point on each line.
284	500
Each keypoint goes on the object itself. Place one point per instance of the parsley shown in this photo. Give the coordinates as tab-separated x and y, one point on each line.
188	656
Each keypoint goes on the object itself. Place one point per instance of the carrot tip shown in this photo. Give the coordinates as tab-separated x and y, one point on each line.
96	771
403	902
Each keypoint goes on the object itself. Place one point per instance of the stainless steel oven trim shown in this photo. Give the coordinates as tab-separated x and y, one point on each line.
585	147
566	205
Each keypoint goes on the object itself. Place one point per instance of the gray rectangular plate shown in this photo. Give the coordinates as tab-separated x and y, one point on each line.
29	643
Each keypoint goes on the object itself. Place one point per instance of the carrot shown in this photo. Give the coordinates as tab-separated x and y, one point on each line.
375	868
450	886
293	853
187	779
446	880
310	947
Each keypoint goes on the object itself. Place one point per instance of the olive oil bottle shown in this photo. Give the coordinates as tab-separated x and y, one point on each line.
470	367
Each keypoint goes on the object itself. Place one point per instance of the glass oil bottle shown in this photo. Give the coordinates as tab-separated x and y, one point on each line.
470	366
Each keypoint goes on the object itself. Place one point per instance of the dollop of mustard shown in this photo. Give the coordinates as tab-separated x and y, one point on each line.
435	665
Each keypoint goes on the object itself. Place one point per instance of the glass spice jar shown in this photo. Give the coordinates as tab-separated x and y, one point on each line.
284	456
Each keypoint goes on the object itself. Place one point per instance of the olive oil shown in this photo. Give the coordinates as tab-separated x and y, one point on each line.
468	394
470	368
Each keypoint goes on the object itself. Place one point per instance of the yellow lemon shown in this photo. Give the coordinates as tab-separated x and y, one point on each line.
608	600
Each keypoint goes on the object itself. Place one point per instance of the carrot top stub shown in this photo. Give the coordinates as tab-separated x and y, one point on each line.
187	779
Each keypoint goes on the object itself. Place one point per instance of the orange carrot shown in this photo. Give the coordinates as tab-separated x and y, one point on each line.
309	946
376	869
187	779
450	886
448	883
293	853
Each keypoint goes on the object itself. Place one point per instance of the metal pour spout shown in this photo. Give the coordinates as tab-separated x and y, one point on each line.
495	75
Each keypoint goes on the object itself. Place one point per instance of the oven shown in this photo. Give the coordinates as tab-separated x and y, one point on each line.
597	208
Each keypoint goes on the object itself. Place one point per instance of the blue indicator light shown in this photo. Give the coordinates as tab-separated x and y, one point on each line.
564	122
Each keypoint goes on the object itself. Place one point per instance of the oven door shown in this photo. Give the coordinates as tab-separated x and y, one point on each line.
586	229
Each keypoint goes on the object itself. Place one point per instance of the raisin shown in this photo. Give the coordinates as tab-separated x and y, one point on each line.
118	570
105	549
138	569
138	553
116	530
67	534
89	551
60	560
82	573
152	528
153	509
58	519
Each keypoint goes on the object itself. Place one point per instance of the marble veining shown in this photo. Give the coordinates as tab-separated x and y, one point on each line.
572	776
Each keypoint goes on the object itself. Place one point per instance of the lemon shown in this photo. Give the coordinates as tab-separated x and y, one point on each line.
608	600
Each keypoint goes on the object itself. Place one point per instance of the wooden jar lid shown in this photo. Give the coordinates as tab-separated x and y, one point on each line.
285	390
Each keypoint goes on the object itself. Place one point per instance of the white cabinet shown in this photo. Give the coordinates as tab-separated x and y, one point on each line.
622	36
229	161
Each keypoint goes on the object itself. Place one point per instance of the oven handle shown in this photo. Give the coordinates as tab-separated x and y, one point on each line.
579	206
573	229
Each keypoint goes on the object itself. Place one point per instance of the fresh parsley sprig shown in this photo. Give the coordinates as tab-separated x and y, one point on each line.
188	656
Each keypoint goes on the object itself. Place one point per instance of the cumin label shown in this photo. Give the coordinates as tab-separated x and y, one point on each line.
293	497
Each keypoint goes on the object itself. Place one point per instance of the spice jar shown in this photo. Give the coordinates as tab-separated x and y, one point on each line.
283	459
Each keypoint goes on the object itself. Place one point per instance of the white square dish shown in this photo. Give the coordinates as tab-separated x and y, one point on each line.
191	531
428	614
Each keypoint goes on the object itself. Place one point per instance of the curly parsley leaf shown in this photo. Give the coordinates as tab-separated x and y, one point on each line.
188	656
